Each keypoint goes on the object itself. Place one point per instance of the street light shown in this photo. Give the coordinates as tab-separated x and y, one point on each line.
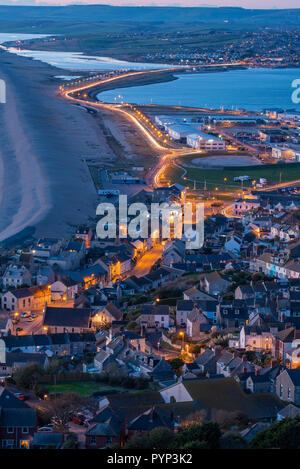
181	333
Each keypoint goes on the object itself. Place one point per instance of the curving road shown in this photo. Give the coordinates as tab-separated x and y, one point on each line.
167	154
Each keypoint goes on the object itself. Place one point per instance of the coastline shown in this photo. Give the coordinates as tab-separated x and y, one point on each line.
45	182
27	201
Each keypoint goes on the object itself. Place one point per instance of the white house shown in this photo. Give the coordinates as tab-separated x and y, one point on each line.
233	244
286	152
242	206
180	131
46	247
205	142
176	393
255	338
64	290
15	276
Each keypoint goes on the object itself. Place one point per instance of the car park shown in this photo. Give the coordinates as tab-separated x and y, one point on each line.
25	315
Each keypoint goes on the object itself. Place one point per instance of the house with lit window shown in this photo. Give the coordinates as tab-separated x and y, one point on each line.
46	247
26	299
107	315
107	427
60	320
18	422
154	316
84	233
64	289
242	206
255	338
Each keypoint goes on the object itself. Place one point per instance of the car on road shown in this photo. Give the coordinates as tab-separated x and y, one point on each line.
30	319
79	419
19	329
34	315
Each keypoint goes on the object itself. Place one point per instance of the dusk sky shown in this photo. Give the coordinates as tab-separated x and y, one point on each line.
242	3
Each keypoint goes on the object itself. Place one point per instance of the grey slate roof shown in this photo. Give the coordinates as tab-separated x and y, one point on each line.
45	439
67	317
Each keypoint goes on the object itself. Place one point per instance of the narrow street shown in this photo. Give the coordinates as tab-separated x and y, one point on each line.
144	265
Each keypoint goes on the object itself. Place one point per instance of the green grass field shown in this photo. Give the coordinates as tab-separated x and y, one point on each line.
83	388
215	177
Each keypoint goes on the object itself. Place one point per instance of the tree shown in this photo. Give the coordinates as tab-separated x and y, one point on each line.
176	364
232	440
131	326
54	366
194	418
161	438
27	376
62	406
138	441
207	432
284	434
227	419
196	348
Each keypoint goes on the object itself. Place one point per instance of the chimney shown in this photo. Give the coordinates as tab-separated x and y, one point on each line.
151	415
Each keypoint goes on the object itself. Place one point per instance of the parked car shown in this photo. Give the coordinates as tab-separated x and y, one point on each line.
30	319
79	419
25	315
51	425
19	329
56	421
45	429
34	315
21	396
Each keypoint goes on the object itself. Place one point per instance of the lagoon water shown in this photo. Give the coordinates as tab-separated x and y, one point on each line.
6	37
252	89
77	61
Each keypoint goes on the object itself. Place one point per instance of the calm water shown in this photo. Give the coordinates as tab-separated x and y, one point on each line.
5	37
76	61
248	89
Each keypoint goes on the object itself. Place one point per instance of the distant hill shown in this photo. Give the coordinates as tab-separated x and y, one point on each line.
105	13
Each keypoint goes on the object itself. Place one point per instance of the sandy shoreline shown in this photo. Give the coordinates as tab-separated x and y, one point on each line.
27	201
45	182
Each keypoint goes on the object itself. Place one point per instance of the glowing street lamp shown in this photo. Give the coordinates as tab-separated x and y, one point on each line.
181	333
